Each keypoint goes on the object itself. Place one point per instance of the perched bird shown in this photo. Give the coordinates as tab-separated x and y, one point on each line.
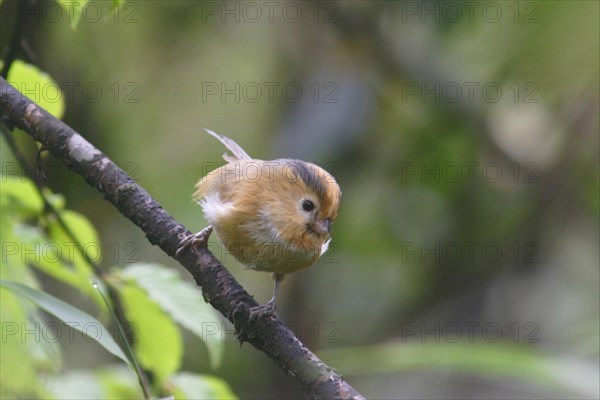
272	216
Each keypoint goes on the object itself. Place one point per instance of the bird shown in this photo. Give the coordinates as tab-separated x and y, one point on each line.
273	216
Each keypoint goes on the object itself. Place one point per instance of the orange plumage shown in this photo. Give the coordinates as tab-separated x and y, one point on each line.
272	216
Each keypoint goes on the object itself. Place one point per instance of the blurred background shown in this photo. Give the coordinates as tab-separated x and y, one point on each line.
464	136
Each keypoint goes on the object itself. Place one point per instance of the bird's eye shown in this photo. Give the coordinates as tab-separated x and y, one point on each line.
308	205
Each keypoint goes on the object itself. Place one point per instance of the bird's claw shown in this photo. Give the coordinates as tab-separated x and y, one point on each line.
248	329
199	239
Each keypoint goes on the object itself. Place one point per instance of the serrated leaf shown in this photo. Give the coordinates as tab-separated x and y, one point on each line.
37	86
157	339
183	302
192	386
69	315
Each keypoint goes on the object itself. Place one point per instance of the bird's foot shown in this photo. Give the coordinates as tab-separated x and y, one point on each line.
251	326
196	240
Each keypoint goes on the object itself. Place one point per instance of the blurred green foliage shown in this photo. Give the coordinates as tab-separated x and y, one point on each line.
31	357
464	136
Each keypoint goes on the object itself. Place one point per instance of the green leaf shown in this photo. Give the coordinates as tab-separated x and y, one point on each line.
19	195
69	315
157	339
56	200
13	263
77	385
45	352
24	244
183	302
85	234
37	86
18	375
118	384
60	251
105	383
192	386
29	246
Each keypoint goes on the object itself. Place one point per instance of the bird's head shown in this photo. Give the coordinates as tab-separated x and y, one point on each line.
309	200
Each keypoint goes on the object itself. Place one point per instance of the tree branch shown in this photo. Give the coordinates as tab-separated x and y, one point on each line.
266	333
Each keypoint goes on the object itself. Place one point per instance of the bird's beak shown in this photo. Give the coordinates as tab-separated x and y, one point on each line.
322	226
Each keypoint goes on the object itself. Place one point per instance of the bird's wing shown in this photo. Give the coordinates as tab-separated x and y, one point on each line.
238	153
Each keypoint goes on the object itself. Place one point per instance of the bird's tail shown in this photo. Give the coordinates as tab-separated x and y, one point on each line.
238	153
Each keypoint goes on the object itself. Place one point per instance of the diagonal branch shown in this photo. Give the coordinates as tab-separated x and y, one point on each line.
268	334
